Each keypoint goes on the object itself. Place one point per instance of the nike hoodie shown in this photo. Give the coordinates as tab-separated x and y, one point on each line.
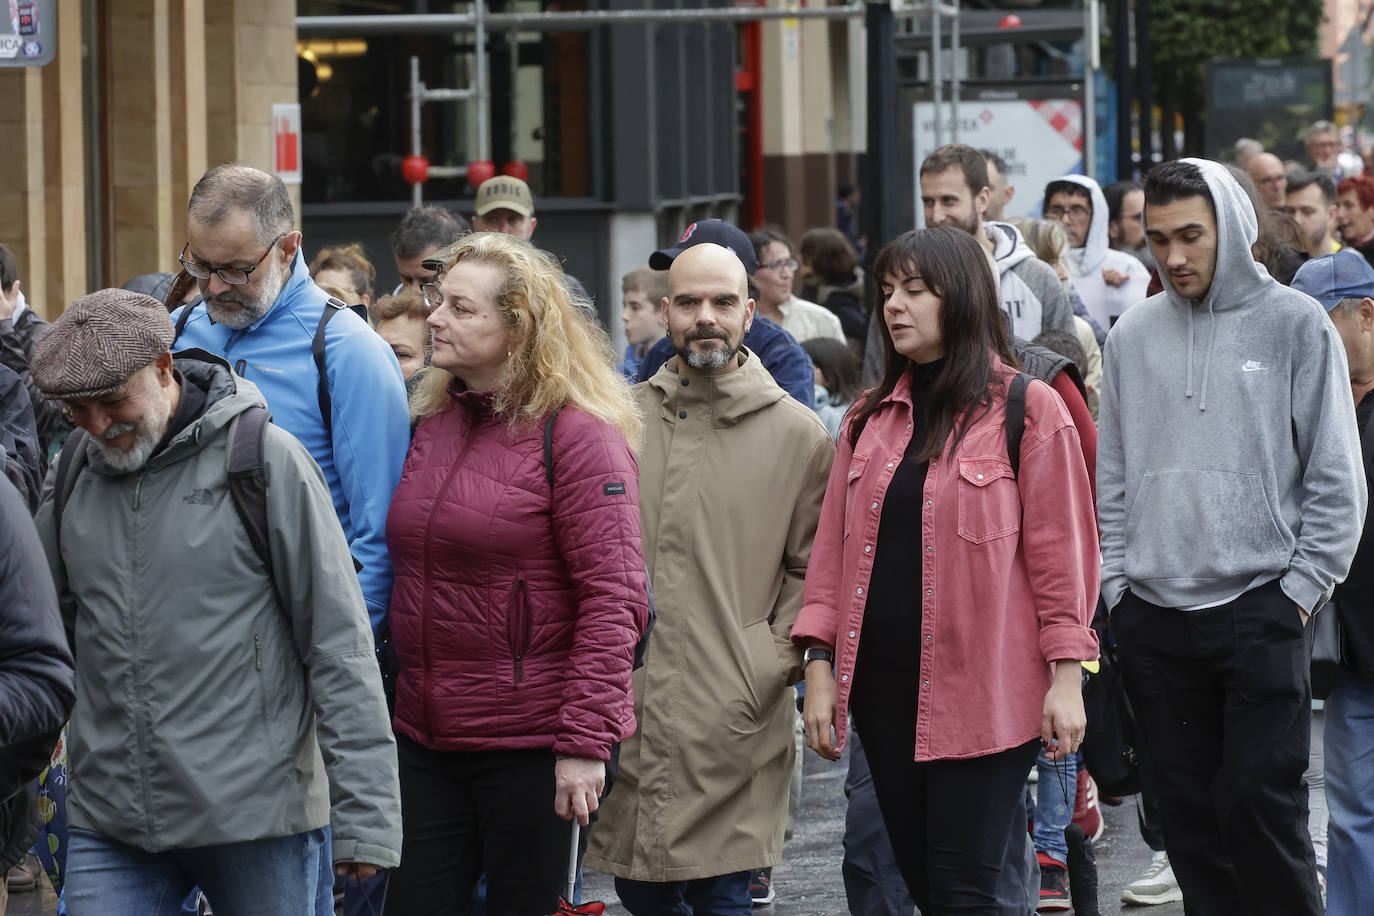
1228	454
1103	301
1031	293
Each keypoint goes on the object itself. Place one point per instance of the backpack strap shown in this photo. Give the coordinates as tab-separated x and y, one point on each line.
1016	420
182	319
331	308
69	465
248	478
548	447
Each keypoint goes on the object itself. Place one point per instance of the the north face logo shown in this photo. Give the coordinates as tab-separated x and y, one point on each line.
198	497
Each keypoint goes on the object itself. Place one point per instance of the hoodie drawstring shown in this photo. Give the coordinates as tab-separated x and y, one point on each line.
1207	366
1189	392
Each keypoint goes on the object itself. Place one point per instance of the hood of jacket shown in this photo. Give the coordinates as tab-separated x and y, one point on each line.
1089	258
730	397
1237	280
227	396
1009	247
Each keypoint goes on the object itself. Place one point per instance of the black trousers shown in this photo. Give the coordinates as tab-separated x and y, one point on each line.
1223	696
469	812
950	821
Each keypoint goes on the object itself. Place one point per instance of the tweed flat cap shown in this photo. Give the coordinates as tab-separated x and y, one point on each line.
100	341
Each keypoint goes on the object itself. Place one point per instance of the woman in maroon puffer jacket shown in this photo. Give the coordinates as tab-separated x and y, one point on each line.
517	606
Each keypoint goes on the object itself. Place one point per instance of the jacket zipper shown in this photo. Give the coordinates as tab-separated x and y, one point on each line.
426	591
518	626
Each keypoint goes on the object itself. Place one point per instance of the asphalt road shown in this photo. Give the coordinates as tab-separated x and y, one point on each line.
808	881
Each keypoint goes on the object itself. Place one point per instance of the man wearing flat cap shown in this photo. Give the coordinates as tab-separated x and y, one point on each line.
229	711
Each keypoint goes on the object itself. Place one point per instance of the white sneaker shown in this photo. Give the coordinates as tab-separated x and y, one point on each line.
1156	884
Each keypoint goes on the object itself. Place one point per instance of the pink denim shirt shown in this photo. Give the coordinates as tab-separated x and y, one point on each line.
1009	568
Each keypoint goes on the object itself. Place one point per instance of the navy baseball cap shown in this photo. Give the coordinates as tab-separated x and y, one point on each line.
717	231
1333	277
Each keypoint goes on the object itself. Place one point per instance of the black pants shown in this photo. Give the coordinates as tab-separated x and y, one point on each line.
469	812
950	821
1224	700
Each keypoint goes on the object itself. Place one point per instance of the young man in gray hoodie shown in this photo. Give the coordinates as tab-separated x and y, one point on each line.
1231	497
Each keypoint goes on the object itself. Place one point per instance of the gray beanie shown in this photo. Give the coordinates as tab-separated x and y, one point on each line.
98	344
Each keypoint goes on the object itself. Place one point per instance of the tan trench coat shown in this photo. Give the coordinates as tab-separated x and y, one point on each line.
732	473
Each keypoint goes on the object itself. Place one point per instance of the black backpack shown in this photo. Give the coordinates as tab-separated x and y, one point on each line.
642	646
332	307
246	475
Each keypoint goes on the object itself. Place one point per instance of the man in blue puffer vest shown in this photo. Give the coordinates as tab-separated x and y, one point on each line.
260	312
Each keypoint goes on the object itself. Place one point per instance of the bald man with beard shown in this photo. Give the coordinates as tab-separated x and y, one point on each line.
732	474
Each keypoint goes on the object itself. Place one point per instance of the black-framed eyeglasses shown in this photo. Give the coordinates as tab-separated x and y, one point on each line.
1077	211
234	276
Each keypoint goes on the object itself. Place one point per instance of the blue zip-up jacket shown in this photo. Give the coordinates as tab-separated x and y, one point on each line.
371	422
779	352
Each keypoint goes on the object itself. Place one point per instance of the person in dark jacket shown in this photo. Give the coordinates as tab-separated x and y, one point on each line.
520	584
20	330
779	352
20	459
1344	284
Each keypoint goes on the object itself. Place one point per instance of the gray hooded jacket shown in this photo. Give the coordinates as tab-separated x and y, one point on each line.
1227	453
1030	291
207	713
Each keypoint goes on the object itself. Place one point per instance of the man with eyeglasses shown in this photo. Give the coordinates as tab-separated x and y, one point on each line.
263	314
775	274
1108	281
1324	149
1266	171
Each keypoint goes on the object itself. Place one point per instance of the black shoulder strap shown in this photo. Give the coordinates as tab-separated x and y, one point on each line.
548	447
184	317
69	465
1016	420
248	478
331	308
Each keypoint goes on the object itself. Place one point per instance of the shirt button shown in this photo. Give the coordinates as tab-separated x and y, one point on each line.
851	634
860	591
930	502
927	637
930	591
875	505
844	677
868	548
980	476
889	464
929	548
682	414
925	683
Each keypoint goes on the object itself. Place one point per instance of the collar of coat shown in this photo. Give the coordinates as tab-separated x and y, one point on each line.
728	398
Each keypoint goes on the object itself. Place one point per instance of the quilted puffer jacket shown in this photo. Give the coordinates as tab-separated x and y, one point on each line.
516	610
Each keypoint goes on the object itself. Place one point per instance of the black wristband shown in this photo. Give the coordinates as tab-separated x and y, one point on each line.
818	655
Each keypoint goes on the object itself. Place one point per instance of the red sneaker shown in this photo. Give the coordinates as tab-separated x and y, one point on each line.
1086	812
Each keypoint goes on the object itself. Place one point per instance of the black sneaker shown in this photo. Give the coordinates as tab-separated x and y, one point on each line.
1054	885
761	887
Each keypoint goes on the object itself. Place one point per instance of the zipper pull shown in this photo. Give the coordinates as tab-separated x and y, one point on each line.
138	490
257	650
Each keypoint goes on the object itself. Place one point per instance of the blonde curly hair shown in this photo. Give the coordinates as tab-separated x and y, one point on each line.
558	356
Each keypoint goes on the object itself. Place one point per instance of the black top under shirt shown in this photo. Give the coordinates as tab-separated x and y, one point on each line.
891	638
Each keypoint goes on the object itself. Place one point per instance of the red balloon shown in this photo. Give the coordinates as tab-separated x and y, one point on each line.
415	169
1011	21
479	170
516	169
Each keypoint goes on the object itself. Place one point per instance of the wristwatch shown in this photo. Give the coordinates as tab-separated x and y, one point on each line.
821	655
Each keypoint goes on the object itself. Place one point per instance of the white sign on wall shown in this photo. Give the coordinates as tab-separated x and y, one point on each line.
1040	139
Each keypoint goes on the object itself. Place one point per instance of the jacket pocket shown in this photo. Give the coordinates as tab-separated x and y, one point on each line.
989	502
852	487
1202	523
518	626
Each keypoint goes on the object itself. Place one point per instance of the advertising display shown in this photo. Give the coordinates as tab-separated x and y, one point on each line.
28	35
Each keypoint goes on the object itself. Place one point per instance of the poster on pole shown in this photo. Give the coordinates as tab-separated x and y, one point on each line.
286	141
1040	138
28	35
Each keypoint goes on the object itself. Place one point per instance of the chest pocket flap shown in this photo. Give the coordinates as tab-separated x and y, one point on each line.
989	502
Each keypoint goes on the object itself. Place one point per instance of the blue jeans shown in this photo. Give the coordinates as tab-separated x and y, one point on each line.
291	874
1349	752
1052	812
723	895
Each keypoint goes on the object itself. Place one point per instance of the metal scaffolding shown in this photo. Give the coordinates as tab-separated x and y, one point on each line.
480	21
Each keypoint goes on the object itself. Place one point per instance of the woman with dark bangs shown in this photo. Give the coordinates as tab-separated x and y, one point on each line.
950	590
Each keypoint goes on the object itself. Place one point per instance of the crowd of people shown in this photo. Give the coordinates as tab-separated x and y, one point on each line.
417	601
